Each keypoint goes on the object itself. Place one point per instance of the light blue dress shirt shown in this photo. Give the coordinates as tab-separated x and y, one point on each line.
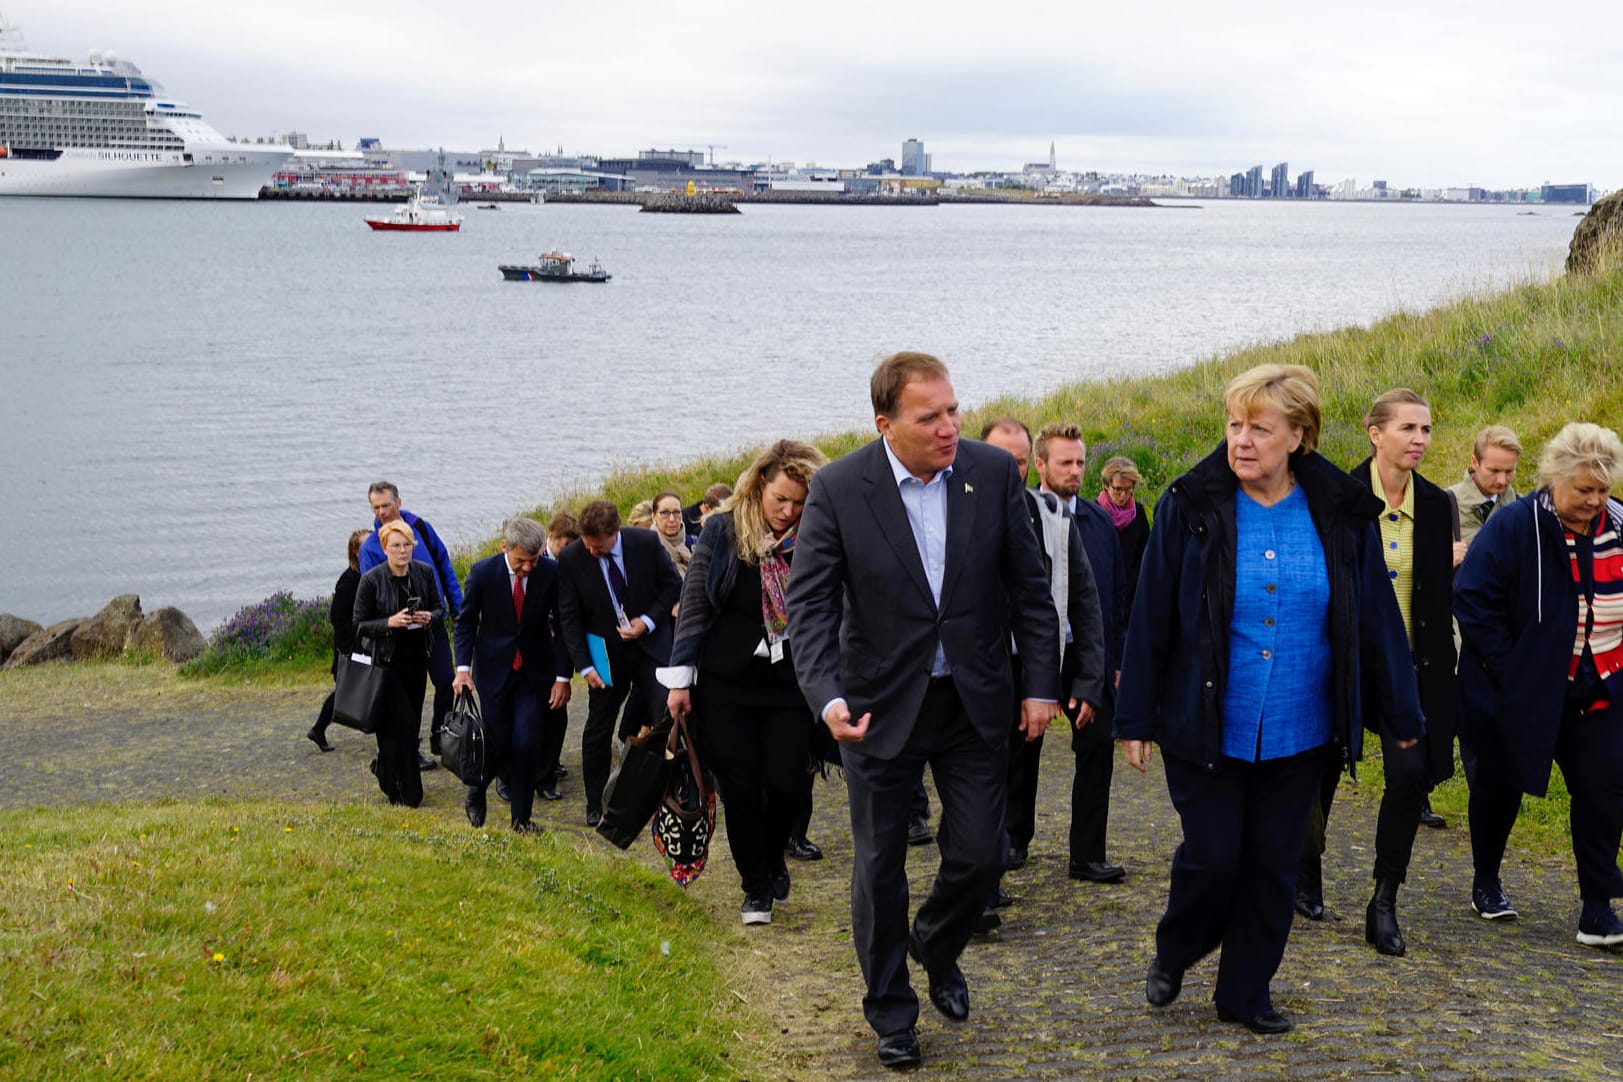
926	506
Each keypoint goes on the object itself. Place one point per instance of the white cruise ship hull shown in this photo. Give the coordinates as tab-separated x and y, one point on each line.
229	172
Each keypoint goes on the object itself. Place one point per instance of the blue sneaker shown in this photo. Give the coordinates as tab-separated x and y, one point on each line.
1490	902
1599	926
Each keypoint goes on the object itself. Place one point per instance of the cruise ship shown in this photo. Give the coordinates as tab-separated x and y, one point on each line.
101	128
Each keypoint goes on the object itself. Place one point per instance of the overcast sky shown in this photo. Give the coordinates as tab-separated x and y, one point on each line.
1421	93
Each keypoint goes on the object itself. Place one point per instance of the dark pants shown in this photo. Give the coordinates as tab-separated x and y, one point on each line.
1399	818
1234	875
634	687
1589	750
514	721
758	754
969	780
401	721
553	729
1025	757
1095	752
441	672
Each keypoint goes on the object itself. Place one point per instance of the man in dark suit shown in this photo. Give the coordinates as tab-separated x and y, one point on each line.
1072	585
619	585
914	560
1062	456
505	650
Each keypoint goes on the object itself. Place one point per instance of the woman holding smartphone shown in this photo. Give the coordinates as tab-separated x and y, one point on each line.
395	604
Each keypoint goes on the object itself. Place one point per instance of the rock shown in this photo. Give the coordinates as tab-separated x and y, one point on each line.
169	633
52	644
13	630
1598	237
108	632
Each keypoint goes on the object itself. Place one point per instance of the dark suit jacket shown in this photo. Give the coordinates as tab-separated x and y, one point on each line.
1109	564
861	616
653	586
487	633
1092	591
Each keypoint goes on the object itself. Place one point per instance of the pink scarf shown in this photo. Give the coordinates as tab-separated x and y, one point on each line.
1119	516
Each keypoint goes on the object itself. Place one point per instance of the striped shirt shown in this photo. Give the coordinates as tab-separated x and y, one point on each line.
1597	569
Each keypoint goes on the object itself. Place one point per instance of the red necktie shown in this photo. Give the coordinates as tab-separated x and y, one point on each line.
518	615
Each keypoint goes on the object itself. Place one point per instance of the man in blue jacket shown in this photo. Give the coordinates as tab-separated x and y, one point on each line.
385	500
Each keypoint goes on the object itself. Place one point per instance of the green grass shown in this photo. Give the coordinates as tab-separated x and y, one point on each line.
224	940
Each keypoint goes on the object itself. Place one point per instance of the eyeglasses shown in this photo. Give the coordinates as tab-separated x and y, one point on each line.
669	514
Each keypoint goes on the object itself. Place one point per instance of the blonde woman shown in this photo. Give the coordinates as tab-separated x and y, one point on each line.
732	651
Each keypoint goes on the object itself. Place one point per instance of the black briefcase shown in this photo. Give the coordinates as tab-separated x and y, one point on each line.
359	694
463	747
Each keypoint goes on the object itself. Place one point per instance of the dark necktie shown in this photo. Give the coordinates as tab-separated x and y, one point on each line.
518	615
617	583
1483	510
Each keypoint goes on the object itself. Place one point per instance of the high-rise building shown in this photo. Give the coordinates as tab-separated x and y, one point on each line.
1237	185
914	163
1304	184
1280	187
1253	182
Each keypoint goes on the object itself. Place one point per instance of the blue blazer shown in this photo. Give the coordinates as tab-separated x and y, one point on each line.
863	621
487	633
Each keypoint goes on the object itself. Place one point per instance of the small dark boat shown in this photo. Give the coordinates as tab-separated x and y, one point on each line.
489	206
555	267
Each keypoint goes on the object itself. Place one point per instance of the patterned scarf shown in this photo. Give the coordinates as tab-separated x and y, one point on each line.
1119	516
1600	599
774	581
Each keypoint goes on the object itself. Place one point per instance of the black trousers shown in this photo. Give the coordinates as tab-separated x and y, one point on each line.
635	688
441	672
1398	821
514	722
553	729
399	776
970	780
758	754
1234	875
1095	751
1025	756
1589	751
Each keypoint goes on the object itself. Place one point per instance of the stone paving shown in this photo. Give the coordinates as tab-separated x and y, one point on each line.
1059	992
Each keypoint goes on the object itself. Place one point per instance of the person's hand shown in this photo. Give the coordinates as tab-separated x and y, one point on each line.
1407	744
1034	718
679	702
401	619
1084	713
594	681
1138	753
838	720
560	695
463	682
421	618
637	630
1459	551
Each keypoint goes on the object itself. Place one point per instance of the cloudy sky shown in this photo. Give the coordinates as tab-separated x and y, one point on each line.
1422	93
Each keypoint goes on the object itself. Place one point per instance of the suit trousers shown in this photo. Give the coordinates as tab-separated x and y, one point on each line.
441	672
633	688
1589	751
1095	750
970	780
758	754
1398	821
513	727
553	730
1234	874
1025	758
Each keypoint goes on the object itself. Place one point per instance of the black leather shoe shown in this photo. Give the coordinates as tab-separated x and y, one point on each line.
1016	859
502	792
593	817
1097	871
425	763
318	738
1162	985
1309	905
475	806
918	832
526	827
988	922
560	771
550	794
900	1050
949	992
1001	899
1429	818
801	849
1269	1023
780	887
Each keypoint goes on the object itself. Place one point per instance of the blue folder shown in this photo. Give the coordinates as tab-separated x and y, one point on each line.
600	658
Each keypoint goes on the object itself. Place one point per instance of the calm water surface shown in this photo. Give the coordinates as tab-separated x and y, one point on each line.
193	397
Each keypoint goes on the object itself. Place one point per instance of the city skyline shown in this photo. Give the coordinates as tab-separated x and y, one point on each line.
1449	96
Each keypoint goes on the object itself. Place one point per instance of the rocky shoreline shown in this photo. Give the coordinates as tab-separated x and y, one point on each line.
119	628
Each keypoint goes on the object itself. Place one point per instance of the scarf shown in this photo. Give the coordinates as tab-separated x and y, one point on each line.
774	581
1119	516
678	548
1600	631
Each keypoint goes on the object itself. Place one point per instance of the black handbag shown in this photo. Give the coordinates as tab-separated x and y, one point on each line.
685	821
463	747
359	695
637	785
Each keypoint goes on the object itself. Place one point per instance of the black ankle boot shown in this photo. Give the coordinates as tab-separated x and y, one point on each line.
1310	889
1381	919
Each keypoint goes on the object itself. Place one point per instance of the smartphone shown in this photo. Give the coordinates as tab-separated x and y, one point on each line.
414	603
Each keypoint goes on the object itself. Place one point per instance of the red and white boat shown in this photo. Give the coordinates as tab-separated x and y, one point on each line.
428	210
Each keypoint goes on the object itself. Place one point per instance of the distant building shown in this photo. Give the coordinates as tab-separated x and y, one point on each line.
690	157
1237	185
1280	185
1304	184
915	163
1567	193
